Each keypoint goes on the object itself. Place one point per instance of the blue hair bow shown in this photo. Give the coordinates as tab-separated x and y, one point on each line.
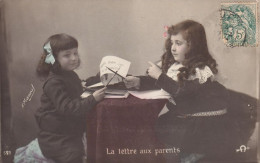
49	58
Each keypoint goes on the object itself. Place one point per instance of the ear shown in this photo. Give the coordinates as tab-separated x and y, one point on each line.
189	46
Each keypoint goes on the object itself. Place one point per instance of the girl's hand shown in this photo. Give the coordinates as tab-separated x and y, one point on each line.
154	71
99	94
132	82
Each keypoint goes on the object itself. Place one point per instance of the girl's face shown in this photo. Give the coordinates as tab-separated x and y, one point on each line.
179	47
68	59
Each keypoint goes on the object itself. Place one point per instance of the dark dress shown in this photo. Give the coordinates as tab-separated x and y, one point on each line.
62	117
217	137
209	135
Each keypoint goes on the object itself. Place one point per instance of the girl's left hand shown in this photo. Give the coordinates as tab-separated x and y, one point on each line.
154	71
99	94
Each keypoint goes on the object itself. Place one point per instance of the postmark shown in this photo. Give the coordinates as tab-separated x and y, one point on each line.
239	24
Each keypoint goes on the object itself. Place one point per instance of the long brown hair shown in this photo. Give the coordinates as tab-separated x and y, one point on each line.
198	55
58	43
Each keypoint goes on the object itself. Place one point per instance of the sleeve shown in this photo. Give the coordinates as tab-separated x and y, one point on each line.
190	87
147	83
64	104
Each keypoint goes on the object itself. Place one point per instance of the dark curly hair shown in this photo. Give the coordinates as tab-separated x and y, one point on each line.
198	55
58	43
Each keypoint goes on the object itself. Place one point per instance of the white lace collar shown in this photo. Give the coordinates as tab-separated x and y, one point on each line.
201	74
173	71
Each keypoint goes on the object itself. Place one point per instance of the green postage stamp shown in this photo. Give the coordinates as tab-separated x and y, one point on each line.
239	24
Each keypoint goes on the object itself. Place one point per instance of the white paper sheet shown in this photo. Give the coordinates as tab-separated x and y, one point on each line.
151	94
109	94
119	65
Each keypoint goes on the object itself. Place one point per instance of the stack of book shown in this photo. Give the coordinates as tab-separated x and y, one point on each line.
117	90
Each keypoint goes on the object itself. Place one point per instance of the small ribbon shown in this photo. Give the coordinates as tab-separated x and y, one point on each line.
49	58
165	34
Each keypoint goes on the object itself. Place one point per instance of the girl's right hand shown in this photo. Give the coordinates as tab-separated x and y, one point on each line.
132	82
99	94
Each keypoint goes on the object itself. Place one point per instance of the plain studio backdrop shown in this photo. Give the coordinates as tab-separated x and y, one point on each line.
130	29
